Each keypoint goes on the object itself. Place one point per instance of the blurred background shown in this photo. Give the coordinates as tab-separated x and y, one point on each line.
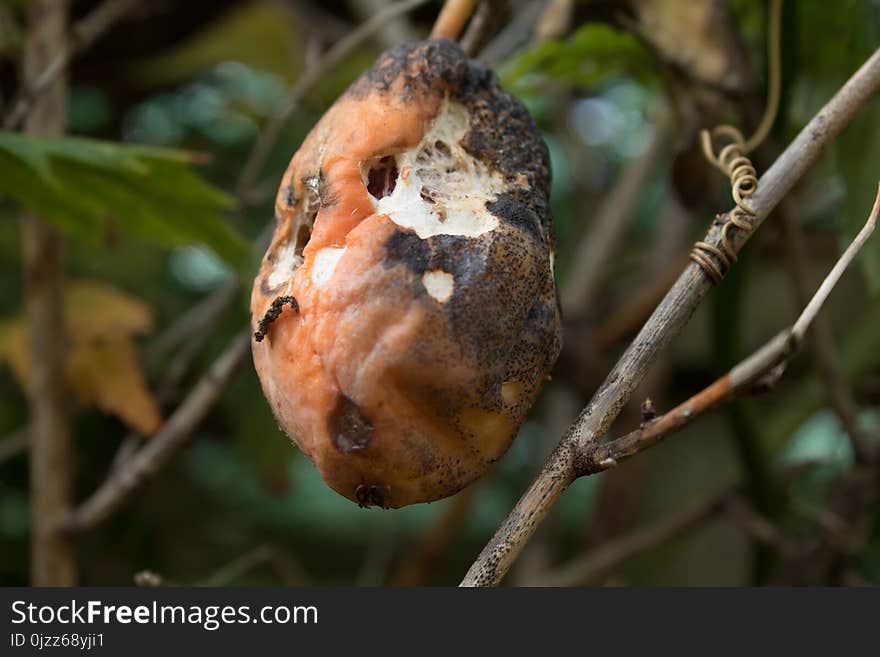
217	97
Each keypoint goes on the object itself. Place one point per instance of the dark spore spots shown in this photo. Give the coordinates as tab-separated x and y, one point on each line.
423	67
349	429
290	195
509	210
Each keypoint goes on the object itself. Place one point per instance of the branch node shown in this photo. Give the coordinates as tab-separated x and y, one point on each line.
649	411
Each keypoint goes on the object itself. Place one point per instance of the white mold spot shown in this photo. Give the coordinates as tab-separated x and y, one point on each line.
441	189
439	284
324	263
287	261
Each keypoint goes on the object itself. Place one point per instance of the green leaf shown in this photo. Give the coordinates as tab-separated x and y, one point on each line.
90	188
593	54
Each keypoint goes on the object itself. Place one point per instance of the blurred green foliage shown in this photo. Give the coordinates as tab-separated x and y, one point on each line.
590	57
93	189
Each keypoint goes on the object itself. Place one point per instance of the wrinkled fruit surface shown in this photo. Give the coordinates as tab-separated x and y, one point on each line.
413	231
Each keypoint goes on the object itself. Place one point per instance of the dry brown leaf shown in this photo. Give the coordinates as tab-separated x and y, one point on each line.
102	366
97	310
107	374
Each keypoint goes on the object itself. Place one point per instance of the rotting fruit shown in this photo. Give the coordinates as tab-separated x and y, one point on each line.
405	313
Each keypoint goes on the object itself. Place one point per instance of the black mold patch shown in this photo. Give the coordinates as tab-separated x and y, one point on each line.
503	314
455	254
511	210
349	429
407	248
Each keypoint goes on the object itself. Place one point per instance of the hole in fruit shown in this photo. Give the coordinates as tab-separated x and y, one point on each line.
441	188
347	426
303	233
287	257
382	177
439	284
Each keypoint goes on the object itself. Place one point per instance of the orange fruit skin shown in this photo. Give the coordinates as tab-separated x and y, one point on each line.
397	395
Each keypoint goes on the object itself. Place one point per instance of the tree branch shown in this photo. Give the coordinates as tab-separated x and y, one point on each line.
51	463
452	18
821	343
667	320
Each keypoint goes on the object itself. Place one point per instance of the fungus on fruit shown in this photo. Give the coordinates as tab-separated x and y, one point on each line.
412	257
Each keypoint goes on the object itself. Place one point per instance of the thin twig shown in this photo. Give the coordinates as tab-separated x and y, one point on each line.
83	34
197	319
485	19
516	34
395	31
122	481
757	526
288	571
812	309
555	20
667	320
822	345
53	557
165	391
452	18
